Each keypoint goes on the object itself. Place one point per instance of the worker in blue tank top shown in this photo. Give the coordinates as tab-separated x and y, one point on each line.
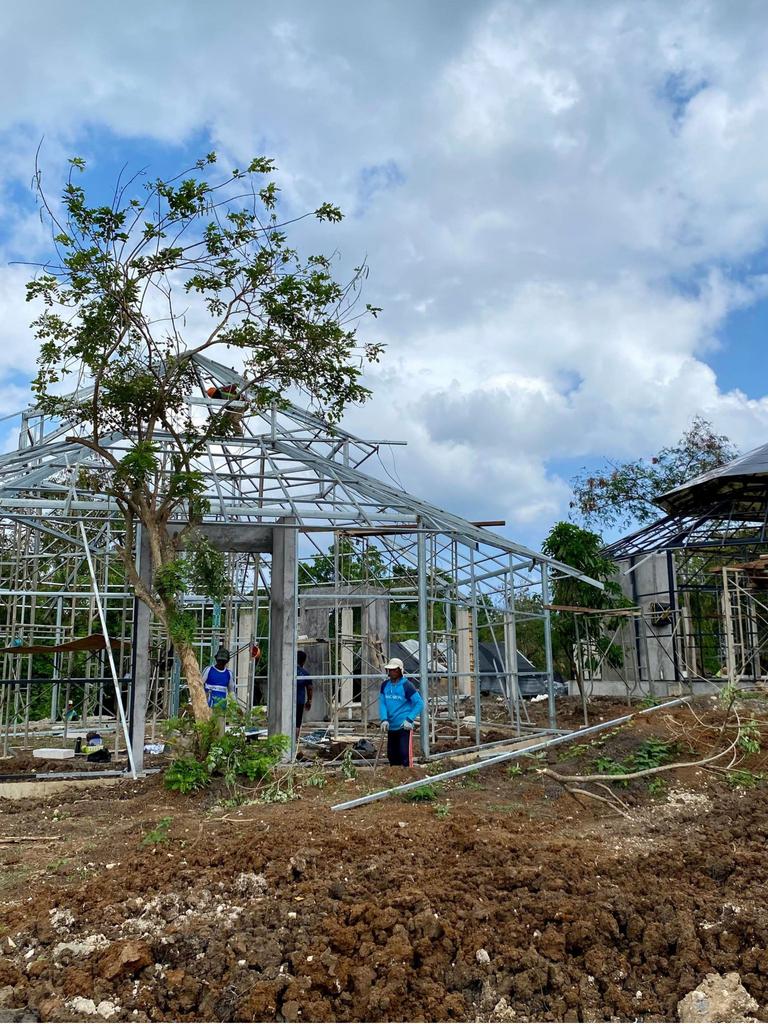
400	704
217	679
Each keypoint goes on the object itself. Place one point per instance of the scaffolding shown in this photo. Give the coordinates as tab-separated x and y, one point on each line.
358	566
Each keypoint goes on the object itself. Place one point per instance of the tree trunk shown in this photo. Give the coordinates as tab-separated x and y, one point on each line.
194	677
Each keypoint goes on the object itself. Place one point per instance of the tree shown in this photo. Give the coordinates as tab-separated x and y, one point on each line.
117	294
581	549
623	493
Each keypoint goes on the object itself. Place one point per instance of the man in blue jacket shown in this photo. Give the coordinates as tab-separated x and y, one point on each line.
217	679
400	704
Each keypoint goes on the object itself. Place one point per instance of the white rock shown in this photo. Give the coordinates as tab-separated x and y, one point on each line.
483	956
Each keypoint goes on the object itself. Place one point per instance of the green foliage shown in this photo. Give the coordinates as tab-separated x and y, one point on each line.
469	782
442	811
651	753
207	569
581	549
427	793
741	779
217	249
623	493
186	775
657	786
348	770
514	770
221	242
281	791
159	834
232	754
749	736
316	778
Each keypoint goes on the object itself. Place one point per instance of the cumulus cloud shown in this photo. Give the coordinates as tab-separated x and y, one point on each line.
561	203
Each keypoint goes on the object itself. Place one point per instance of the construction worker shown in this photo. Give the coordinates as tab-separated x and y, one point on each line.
231	419
400	704
303	690
217	679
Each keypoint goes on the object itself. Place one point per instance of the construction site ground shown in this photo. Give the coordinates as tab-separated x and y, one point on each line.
503	898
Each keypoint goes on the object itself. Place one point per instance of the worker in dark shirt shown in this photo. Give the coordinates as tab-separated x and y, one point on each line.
303	690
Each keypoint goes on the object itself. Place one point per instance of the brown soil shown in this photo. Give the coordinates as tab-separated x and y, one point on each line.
294	912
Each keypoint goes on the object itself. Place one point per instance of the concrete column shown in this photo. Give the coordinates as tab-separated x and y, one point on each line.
545	597
141	661
347	667
283	622
374	627
510	647
463	650
244	662
314	623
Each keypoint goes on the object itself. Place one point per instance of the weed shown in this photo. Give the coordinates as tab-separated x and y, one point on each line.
514	770
652	753
159	834
442	810
740	779
470	782
749	736
657	786
579	750
427	793
348	770
186	775
58	864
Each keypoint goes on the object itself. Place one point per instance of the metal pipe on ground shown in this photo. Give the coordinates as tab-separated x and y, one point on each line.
508	756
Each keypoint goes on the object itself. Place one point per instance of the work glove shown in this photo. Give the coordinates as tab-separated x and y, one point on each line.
407	724
384	726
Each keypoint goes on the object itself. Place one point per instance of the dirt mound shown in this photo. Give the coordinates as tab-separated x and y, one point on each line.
504	900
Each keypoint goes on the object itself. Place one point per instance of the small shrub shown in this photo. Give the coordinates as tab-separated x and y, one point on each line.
186	775
159	834
348	770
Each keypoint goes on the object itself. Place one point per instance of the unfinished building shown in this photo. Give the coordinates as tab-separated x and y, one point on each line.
697	579
321	552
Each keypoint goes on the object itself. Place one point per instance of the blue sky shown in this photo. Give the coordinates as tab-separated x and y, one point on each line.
562	204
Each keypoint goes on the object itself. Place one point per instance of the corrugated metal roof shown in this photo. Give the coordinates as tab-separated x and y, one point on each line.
742	484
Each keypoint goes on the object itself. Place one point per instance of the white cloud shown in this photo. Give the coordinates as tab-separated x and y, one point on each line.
559	201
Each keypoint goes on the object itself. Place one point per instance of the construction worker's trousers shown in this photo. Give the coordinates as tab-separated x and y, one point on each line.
400	747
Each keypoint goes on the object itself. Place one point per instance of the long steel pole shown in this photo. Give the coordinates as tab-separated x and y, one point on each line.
508	756
548	647
421	550
113	669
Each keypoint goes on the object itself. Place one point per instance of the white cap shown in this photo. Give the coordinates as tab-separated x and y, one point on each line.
394	663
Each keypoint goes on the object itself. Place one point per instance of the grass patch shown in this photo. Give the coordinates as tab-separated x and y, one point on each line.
425	794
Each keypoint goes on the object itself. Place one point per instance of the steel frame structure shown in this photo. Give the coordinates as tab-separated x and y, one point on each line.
288	470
